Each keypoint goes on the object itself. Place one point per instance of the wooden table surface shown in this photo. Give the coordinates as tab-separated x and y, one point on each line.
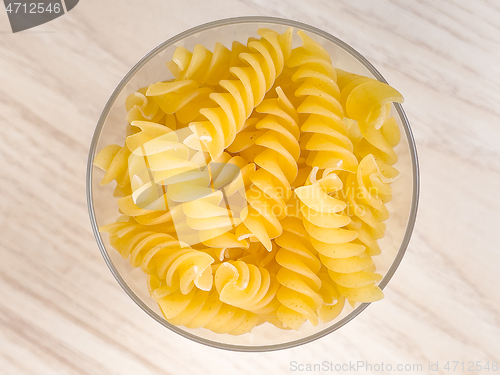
61	310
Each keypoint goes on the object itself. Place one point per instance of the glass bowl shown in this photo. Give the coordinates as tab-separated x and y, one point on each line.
111	129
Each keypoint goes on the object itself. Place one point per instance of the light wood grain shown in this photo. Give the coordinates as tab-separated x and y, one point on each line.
61	311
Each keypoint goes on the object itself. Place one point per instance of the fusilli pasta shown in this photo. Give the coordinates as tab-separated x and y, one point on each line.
161	254
201	308
252	187
276	149
325	142
265	62
298	276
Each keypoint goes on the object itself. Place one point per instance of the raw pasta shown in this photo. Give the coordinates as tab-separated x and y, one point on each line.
200	308
253	186
273	145
246	286
325	143
163	255
300	284
203	66
265	61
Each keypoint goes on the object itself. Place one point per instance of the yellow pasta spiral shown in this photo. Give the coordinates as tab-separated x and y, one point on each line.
366	99
246	286
258	255
265	62
378	133
347	82
322	213
182	98
113	160
186	98
334	301
200	308
217	211
379	142
130	167
367	193
203	66
277	151
347	260
156	158
161	254
300	285
142	108
325	142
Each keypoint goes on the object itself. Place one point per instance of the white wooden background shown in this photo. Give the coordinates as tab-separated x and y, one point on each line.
62	312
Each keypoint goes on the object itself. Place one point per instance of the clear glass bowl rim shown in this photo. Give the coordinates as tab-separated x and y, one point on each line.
100	124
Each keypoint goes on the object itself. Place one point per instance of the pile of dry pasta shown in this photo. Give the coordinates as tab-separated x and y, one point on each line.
252	188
